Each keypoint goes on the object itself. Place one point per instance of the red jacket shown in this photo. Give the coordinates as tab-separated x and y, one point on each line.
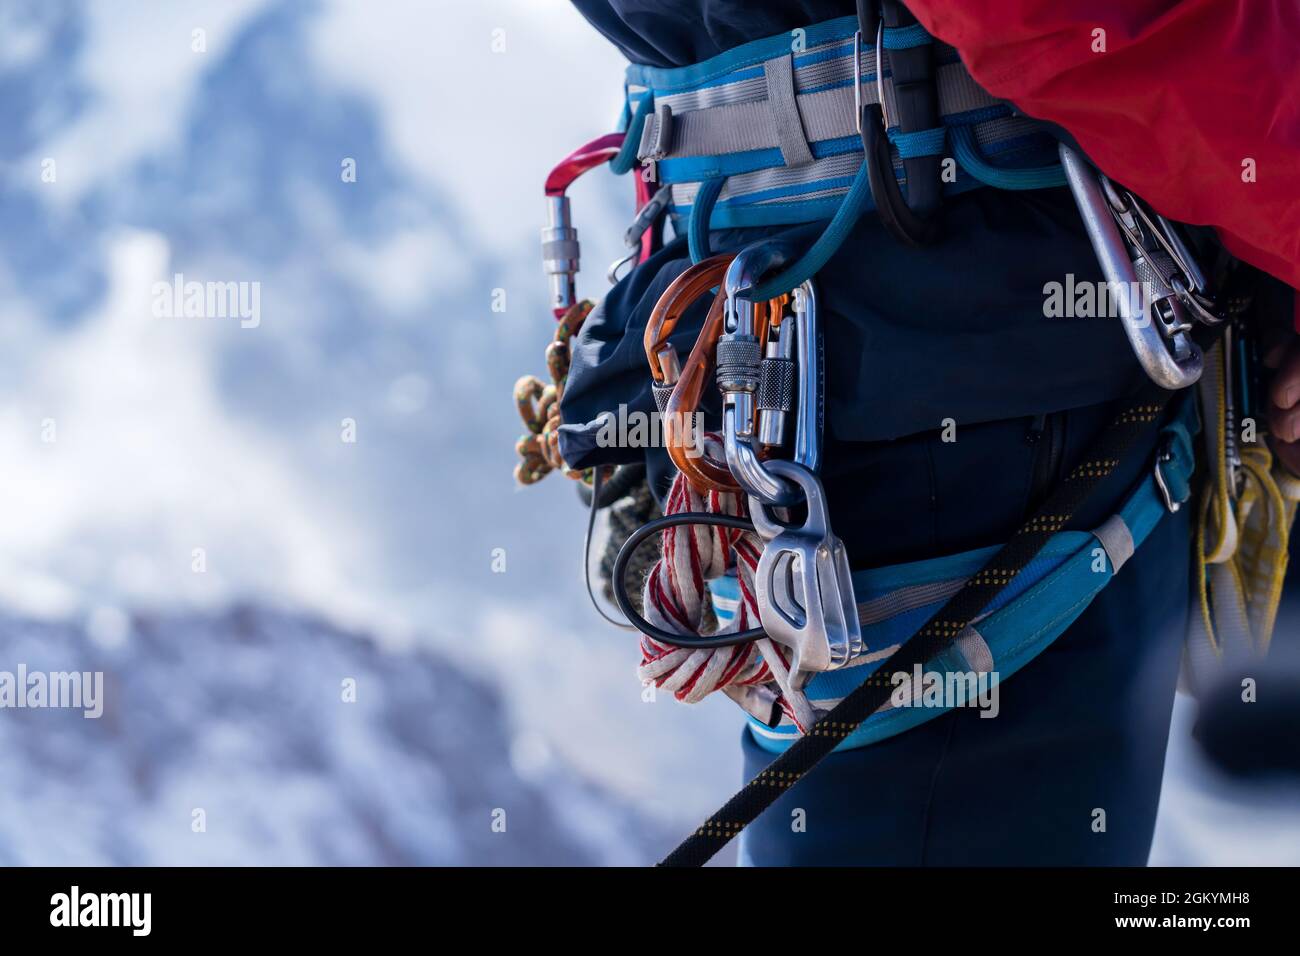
1192	104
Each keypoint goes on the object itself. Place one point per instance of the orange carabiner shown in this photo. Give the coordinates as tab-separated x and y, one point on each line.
680	295
703	470
706	467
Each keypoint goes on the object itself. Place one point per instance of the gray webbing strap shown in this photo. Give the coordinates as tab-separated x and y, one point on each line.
906	599
779	74
830	168
976	650
1117	541
767	123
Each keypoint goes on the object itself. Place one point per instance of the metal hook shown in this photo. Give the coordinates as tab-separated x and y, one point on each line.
612	272
740	372
1158	336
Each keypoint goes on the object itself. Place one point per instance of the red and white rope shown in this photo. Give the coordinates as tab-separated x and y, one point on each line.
676	590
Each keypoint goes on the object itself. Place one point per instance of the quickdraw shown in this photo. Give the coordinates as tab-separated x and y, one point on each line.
1154	275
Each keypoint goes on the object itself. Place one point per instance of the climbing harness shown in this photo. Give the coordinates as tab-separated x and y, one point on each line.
749	138
751	592
775	132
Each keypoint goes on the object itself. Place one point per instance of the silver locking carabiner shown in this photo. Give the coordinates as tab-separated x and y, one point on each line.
740	369
1156	329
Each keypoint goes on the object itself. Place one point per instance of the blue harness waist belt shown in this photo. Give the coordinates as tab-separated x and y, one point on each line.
768	133
1027	616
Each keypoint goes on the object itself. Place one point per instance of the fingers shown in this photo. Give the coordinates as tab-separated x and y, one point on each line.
1284	392
1288	455
1284	423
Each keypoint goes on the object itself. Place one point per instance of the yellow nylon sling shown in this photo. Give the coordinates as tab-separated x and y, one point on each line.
1242	535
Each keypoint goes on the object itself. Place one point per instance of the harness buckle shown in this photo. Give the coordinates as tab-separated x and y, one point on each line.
880	77
657	140
1163	457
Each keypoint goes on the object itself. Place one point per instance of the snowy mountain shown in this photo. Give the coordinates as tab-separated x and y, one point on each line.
169	469
259	737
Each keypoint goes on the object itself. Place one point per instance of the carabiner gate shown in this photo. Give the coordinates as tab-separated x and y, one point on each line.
753	383
561	251
1156	329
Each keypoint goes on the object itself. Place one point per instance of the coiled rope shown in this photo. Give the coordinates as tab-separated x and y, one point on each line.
539	406
676	598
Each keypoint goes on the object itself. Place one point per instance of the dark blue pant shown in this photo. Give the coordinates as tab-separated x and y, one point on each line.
1081	728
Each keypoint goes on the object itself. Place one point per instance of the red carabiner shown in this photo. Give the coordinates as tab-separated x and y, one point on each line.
598	151
560	248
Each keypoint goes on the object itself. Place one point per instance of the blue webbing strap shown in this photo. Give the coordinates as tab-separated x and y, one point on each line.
926	142
968	155
1037	607
626	159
